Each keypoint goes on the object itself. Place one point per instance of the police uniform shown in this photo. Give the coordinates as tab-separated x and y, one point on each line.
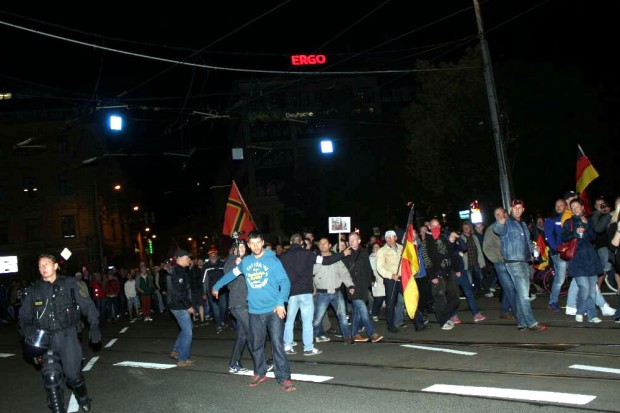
55	308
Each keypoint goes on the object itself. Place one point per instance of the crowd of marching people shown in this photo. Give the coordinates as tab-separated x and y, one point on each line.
258	290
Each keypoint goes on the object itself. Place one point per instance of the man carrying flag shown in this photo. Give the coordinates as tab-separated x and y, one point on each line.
237	218
410	266
584	176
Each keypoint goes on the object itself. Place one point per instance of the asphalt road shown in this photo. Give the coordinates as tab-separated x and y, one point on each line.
482	367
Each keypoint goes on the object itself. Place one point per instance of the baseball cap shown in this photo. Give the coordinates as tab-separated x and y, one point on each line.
212	250
516	202
570	194
182	253
390	233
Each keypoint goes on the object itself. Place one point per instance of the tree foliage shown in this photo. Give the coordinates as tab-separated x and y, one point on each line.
451	152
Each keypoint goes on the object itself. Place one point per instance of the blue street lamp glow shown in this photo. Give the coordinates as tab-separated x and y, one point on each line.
116	123
327	146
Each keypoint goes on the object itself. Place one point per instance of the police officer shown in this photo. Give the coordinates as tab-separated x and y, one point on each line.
50	319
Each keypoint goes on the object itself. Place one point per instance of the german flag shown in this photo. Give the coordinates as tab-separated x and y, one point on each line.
410	266
585	175
237	216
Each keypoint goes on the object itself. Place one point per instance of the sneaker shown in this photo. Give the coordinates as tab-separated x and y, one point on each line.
256	380
455	319
579	318
595	320
554	307
392	329
219	329
322	339
360	338
479	317
489	294
237	368
522	328
290	350
617	320
507	316
375	318
532	297
375	338
348	340
294	344
449	325
607	310
269	366
186	363
287	386
538	328
313	352
174	355
571	310
492	290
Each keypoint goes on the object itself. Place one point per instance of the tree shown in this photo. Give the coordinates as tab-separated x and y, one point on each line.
451	153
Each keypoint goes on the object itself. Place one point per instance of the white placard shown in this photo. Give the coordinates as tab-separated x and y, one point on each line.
338	225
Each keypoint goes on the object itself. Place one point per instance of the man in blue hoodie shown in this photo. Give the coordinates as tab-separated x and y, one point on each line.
268	290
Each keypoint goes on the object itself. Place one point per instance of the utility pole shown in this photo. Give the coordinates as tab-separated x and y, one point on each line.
500	149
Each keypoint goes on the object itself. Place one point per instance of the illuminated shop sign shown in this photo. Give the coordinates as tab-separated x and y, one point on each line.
311	59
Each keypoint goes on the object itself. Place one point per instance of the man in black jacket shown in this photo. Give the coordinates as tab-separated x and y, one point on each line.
182	309
298	264
359	267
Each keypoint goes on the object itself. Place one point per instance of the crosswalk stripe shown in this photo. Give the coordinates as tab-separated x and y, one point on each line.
4	355
444	350
111	343
515	394
90	364
123	330
158	366
298	377
595	368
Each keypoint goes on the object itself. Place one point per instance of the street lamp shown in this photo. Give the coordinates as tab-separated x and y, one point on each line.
327	146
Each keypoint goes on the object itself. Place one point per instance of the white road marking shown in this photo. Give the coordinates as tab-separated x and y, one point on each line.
530	395
595	368
158	366
298	377
111	343
123	330
73	405
445	350
4	355
90	364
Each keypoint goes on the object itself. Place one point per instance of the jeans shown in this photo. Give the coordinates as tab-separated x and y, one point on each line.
183	345
586	296
475	275
491	278
303	303
509	291
159	300
399	309
520	275
463	282
603	256
360	315
133	306
560	276
336	300
377	303
573	292
260	325
218	307
243	332
392	290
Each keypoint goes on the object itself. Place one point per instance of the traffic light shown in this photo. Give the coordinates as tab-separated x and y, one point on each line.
150	247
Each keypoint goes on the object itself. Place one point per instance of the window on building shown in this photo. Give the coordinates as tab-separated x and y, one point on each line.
63	144
33	230
64	185
4	232
68	226
29	186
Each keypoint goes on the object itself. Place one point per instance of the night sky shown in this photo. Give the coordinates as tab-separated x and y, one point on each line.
569	43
